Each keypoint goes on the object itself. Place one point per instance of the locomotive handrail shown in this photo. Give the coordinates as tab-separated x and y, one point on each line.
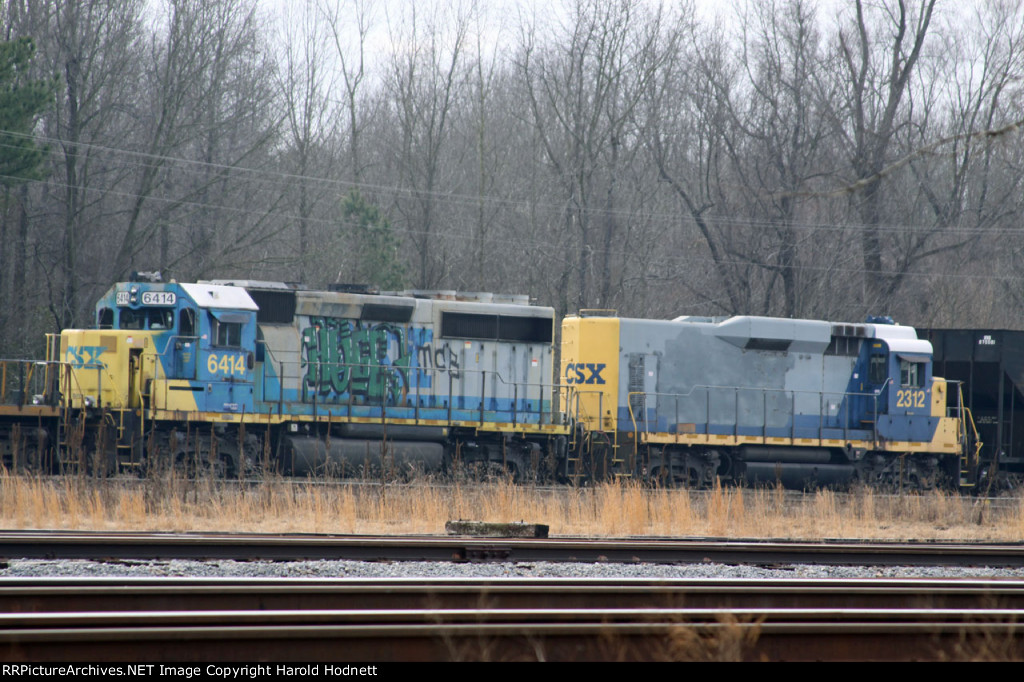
273	355
760	389
969	459
545	410
68	372
25	379
172	339
573	395
100	369
763	391
573	401
540	393
270	359
632	416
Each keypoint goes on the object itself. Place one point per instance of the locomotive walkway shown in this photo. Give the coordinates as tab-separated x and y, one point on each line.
222	620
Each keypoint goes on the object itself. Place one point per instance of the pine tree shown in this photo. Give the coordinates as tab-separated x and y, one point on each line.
377	246
21	102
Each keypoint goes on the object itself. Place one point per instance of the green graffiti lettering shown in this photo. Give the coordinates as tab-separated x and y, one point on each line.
344	359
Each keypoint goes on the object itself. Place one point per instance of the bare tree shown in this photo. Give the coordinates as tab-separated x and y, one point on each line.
965	194
95	46
350	45
685	110
879	50
306	83
426	76
776	143
584	83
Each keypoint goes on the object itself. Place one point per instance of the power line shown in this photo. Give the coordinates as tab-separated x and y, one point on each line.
283	179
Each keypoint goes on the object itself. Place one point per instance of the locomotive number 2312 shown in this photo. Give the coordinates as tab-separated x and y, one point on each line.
909	398
225	364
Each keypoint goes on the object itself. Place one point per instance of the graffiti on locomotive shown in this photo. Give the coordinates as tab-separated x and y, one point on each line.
379	362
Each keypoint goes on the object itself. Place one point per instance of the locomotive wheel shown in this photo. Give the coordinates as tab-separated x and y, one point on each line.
672	477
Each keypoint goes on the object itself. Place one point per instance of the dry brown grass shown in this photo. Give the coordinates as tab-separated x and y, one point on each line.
615	509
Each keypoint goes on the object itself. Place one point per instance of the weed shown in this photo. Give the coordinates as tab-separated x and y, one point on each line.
166	500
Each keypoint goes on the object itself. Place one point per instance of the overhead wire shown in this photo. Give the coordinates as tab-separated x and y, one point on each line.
555	211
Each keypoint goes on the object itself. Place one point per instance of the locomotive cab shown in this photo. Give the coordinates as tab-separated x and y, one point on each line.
170	346
892	386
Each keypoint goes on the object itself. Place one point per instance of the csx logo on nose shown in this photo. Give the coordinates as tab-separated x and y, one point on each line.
85	356
575	373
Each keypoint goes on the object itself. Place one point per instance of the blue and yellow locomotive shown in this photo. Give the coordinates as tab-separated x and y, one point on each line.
344	382
234	376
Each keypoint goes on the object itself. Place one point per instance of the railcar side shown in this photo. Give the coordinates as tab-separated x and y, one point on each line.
759	400
231	374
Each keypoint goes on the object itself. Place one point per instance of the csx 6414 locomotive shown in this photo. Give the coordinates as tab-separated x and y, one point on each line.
224	375
237	375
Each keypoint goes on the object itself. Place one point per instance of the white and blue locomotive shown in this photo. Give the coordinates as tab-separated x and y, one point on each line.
755	399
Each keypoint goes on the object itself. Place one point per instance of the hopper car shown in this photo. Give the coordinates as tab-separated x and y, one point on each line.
989	365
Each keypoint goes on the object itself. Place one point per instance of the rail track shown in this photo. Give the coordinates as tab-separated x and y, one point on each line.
348	621
295	547
351	620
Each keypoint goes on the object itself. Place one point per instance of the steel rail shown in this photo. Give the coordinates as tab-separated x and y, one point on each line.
57	595
10	622
751	635
294	547
709	619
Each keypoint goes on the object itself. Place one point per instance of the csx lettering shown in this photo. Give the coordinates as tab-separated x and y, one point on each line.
85	356
584	373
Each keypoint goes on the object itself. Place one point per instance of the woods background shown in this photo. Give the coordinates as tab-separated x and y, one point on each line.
824	160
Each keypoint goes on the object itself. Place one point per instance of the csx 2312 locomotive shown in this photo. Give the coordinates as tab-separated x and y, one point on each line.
233	376
758	399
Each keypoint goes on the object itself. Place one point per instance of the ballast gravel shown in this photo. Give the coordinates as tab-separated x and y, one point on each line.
418	569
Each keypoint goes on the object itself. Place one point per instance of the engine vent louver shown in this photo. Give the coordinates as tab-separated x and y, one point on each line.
496	327
388	312
854	330
778	345
275	307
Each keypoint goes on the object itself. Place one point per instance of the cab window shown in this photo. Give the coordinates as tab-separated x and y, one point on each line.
227	333
105	318
147	318
187	322
161	318
130	319
876	369
911	373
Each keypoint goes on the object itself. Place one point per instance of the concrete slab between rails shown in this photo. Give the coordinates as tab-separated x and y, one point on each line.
483	529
